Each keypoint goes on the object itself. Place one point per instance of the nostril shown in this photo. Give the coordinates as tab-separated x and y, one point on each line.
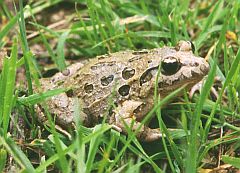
196	64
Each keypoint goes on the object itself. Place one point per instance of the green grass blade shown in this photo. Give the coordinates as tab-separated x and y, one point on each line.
25	48
8	86
3	159
209	22
234	161
191	161
4	31
60	51
94	143
39	97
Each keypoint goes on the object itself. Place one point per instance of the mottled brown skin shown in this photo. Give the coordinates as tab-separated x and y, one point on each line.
128	78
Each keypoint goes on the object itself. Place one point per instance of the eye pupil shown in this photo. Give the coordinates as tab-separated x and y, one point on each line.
170	68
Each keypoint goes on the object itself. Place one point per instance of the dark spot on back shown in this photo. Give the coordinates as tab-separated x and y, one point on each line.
127	73
124	90
106	80
147	75
69	93
88	88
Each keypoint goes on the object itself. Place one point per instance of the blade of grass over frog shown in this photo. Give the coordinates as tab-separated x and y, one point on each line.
210	21
173	146
64	166
104	128
80	146
163	128
191	161
17	153
39	97
94	143
132	136
232	71
234	161
7	88
72	147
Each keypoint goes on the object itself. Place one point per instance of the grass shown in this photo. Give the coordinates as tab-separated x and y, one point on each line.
95	28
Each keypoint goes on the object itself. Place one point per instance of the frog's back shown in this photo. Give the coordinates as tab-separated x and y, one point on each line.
116	76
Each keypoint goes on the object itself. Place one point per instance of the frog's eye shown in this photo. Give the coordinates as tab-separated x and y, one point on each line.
170	66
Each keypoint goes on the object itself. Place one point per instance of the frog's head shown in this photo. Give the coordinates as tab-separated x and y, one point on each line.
179	66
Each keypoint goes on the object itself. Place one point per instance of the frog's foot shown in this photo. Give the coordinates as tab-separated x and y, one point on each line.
143	132
125	120
197	88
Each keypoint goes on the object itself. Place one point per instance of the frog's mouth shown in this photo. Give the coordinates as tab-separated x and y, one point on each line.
188	84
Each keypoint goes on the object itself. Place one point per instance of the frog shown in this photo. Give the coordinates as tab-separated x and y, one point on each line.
120	87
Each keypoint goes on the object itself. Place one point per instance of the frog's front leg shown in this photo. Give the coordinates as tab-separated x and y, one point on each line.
198	86
124	116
